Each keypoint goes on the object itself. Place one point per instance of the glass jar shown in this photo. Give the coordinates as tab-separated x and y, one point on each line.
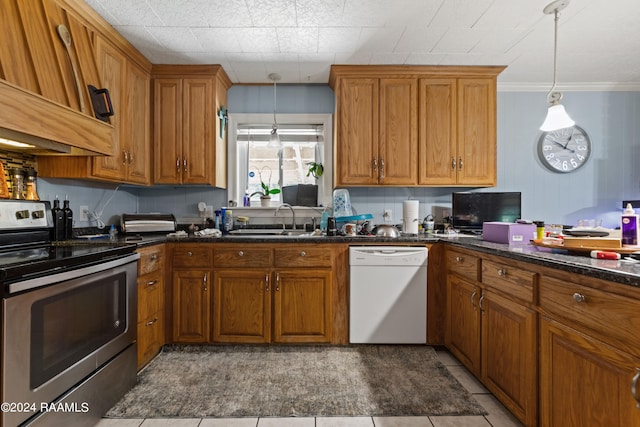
31	185
17	183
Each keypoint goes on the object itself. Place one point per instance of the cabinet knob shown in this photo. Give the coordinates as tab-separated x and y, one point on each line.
459	259
502	272
189	253
151	282
577	297
155	319
240	253
303	253
154	257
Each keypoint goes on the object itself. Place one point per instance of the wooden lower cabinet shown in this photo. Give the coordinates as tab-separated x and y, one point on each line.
509	354
584	382
241	306
462	336
302	306
283	306
191	306
150	302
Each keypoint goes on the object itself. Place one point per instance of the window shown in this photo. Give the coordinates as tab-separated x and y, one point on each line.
305	138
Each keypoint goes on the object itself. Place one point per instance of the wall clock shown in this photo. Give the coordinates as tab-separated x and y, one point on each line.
564	150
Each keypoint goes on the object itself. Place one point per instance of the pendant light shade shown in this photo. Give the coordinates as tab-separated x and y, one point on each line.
557	117
274	138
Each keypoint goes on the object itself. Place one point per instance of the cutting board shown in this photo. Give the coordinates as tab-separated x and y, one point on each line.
587	249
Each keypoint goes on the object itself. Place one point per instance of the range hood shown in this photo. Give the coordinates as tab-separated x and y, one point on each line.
48	127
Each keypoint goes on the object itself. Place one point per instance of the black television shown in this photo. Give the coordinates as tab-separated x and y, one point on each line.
471	209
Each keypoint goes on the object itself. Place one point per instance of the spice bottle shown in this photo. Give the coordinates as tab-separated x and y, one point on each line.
17	183
31	184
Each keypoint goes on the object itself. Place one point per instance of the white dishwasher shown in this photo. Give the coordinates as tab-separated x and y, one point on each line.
388	295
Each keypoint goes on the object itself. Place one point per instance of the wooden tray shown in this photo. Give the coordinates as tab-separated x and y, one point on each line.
623	250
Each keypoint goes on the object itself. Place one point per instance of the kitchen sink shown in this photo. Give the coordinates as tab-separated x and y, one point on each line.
268	232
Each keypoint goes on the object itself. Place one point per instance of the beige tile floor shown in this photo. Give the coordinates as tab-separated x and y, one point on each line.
497	416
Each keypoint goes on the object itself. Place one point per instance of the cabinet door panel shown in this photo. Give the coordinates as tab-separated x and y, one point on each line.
462	336
112	69
191	307
398	143
476	132
137	125
437	146
302	306
509	367
584	382
242	308
167	130
197	131
357	145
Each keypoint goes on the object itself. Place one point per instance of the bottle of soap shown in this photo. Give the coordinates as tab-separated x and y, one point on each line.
629	227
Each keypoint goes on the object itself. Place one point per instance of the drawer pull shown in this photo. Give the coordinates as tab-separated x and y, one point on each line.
204	282
459	259
473	298
155	319
151	283
579	297
240	253
189	253
154	257
266	282
502	272
634	387
481	301
303	253
277	281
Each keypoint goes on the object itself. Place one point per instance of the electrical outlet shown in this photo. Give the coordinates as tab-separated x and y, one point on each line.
84	213
209	211
388	215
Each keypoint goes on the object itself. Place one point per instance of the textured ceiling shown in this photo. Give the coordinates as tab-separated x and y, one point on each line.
598	40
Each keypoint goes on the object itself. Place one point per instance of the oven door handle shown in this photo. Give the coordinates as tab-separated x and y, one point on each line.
38	282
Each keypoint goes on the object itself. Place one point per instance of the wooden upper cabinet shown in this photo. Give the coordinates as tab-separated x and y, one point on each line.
398	143
415	125
130	91
357	142
189	148
476	161
437	105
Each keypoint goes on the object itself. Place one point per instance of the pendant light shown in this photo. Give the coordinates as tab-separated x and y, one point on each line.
557	117
274	138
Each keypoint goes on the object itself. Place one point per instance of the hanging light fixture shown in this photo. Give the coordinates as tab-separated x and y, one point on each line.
557	117
274	138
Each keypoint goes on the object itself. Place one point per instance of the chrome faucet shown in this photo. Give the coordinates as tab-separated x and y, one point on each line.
293	215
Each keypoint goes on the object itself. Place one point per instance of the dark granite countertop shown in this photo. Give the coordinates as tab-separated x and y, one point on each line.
623	271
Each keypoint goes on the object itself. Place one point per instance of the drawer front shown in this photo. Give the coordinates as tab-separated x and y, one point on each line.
243	256
149	295
192	256
509	280
463	264
151	259
607	315
302	257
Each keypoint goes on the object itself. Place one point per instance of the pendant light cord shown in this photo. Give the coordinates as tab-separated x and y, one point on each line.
275	122
555	97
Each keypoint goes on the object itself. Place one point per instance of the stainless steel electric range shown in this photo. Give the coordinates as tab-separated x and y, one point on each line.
68	322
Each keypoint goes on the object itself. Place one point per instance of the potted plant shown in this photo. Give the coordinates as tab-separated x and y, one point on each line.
267	191
316	169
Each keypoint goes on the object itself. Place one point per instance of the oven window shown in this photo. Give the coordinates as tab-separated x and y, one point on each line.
68	326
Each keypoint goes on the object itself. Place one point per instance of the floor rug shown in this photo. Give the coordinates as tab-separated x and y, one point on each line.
284	381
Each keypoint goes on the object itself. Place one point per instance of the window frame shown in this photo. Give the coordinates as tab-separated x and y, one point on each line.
325	184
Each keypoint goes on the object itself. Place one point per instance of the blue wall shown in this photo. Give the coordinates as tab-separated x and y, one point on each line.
596	190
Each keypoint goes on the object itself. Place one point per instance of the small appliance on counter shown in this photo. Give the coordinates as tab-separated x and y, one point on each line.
148	223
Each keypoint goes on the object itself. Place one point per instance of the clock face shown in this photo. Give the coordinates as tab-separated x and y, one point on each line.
564	150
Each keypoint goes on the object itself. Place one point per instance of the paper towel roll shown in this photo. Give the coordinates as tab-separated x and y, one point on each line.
410	213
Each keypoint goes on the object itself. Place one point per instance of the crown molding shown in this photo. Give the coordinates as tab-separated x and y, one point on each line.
573	87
